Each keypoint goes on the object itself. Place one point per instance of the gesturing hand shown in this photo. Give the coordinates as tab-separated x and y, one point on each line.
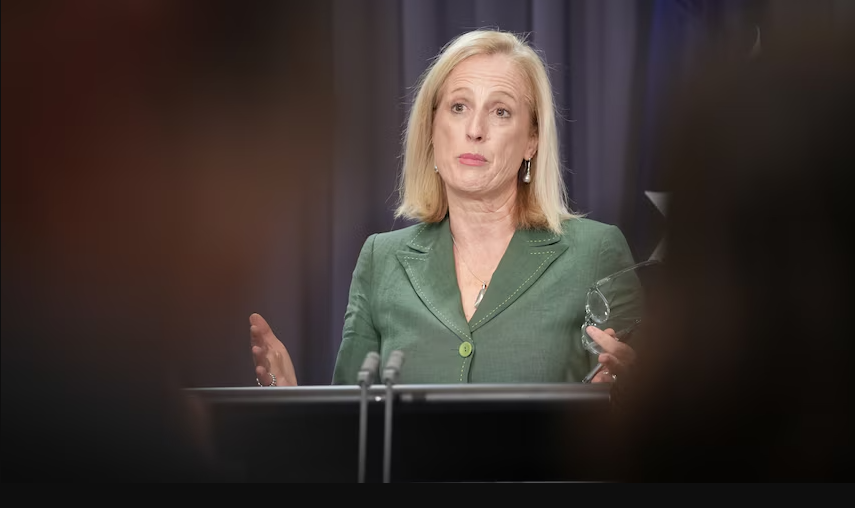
273	365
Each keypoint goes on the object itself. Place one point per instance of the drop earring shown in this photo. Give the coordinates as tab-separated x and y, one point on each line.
527	177
435	169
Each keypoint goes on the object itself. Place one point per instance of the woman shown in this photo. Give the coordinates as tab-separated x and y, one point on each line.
490	285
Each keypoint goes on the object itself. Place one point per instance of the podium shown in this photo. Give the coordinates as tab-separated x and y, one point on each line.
440	433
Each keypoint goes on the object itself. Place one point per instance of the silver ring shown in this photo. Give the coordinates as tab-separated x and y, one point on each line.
272	380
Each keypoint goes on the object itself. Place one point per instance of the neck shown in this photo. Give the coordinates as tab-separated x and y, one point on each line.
482	220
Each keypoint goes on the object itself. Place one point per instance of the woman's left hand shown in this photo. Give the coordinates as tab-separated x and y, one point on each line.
616	357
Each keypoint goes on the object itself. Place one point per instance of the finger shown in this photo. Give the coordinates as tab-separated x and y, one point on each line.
612	364
601	337
261	333
611	345
603	376
611	332
259	355
256	337
256	320
263	376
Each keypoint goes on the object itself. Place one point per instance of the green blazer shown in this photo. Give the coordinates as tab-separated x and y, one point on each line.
527	329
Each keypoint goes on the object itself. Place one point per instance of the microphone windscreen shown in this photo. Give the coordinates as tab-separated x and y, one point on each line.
396	359
371	362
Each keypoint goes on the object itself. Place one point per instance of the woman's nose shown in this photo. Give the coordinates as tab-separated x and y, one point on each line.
476	129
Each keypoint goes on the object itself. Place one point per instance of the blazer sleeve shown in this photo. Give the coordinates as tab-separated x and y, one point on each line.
359	335
626	291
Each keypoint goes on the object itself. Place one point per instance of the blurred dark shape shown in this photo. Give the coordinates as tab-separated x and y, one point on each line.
746	370
147	155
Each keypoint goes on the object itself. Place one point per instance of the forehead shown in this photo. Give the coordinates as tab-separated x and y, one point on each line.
488	73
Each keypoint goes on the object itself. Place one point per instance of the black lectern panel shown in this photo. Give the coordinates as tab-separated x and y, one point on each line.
439	432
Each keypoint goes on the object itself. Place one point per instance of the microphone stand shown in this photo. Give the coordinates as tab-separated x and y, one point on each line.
365	378
391	374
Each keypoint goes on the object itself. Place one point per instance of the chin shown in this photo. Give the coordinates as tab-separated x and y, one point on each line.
469	185
480	181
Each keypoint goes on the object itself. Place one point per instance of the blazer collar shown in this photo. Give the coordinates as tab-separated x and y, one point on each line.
429	264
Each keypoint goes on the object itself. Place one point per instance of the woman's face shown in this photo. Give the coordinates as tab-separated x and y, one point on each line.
482	128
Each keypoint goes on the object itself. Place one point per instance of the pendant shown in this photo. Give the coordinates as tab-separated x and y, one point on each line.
480	295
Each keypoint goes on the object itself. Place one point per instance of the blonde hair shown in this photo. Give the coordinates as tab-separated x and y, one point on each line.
541	204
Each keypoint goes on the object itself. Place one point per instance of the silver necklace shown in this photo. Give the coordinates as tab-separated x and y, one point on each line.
483	284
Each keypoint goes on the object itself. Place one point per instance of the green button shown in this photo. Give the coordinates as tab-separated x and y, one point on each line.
465	349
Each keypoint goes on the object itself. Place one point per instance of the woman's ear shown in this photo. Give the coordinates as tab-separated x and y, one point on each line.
531	147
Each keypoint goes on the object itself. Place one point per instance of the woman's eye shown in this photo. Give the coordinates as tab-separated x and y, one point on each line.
457	107
504	113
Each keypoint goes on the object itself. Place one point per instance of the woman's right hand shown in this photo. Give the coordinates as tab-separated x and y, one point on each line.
270	355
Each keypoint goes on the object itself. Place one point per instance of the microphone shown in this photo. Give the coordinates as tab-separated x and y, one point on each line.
392	371
364	379
391	375
368	369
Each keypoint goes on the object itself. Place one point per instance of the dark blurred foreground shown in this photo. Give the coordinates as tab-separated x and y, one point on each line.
747	374
148	156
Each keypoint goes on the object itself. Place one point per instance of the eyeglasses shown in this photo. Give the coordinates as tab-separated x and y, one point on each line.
615	301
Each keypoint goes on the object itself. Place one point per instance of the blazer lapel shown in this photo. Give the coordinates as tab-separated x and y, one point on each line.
529	254
429	264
